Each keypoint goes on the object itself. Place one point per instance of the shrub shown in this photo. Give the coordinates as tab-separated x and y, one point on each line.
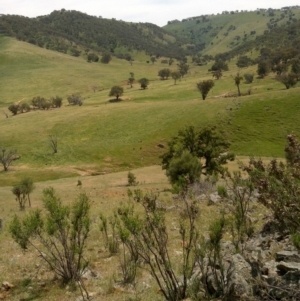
58	234
14	109
24	107
248	78
56	102
92	57
106	58
75	100
222	191
131	179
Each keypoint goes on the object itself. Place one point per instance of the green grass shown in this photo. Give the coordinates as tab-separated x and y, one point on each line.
108	136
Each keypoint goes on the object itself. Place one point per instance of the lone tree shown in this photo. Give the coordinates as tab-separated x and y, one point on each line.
175	75
164	73
144	83
288	79
204	87
6	157
207	145
106	58
237	80
116	91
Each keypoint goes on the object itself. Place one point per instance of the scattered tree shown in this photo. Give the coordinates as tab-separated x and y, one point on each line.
183	68
237	81
217	74
219	65
131	79
164	73
116	91
175	75
6	157
204	87
171	61
58	234
144	83
288	79
106	58
244	61
22	192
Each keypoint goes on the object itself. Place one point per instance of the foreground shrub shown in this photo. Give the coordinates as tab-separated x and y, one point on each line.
58	235
279	187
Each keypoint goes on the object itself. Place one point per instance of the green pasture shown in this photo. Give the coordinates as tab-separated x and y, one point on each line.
104	136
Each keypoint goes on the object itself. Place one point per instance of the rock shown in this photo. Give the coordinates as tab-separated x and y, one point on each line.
201	197
269	268
89	274
240	279
213	199
6	285
285	267
288	256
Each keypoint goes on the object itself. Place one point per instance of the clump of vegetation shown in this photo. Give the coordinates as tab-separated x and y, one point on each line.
75	100
58	234
164	73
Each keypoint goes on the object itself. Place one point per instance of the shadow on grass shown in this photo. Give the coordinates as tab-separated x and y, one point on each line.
115	100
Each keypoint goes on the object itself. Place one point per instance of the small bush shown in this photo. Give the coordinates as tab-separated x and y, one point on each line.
75	100
222	191
248	78
131	179
14	109
56	102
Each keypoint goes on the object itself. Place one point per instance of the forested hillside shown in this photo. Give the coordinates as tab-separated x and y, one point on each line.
75	33
213	34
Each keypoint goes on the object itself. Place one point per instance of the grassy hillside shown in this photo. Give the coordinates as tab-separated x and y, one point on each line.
103	136
215	34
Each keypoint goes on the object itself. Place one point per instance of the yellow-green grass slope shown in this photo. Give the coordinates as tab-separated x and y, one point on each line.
103	136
